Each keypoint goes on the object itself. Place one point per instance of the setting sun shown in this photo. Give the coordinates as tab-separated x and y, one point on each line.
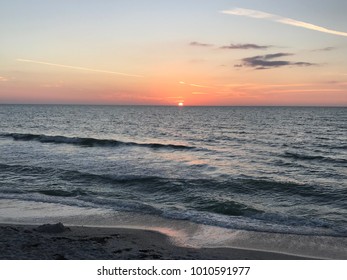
180	104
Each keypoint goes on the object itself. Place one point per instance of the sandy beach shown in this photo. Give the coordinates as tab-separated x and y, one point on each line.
58	242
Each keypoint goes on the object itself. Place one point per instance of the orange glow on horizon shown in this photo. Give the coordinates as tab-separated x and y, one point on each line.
55	85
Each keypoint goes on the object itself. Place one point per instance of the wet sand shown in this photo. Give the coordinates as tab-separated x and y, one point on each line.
20	242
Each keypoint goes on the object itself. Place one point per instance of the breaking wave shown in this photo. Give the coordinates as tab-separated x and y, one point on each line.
90	142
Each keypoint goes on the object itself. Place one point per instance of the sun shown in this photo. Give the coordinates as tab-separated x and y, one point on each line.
180	104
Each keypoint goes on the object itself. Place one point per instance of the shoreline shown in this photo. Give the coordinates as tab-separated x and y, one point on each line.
33	242
203	239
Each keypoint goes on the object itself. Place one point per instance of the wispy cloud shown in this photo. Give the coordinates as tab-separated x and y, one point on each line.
198	44
265	89
3	79
56	85
327	49
308	90
267	61
245	47
194	85
77	67
281	19
232	46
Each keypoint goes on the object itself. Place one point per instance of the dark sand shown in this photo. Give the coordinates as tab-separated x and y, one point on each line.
19	242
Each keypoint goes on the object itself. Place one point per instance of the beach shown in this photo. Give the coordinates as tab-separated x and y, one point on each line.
32	242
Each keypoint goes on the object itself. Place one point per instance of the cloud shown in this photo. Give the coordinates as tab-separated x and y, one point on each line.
3	79
280	19
193	85
77	68
262	62
327	49
308	90
232	46
198	44
245	47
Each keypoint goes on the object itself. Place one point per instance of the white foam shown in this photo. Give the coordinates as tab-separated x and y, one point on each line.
183	233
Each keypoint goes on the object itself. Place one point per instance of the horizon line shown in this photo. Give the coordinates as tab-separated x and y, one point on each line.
157	105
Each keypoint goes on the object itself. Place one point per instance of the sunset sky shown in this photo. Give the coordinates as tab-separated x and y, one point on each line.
158	52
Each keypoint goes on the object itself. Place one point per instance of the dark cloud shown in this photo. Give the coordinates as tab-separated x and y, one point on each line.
198	44
262	62
305	64
245	47
273	55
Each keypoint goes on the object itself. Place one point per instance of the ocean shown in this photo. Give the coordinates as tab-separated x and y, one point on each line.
279	170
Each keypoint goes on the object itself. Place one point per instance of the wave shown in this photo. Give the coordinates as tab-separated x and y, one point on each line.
61	193
228	208
306	157
80	177
223	204
185	190
90	142
172	185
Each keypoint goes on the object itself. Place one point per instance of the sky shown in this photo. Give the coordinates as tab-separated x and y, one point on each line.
160	52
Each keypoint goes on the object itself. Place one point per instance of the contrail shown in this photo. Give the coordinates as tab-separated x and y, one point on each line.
280	19
78	68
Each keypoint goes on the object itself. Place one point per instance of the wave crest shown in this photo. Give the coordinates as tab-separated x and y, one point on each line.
90	142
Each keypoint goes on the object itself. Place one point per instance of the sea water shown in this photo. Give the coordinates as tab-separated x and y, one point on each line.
279	170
